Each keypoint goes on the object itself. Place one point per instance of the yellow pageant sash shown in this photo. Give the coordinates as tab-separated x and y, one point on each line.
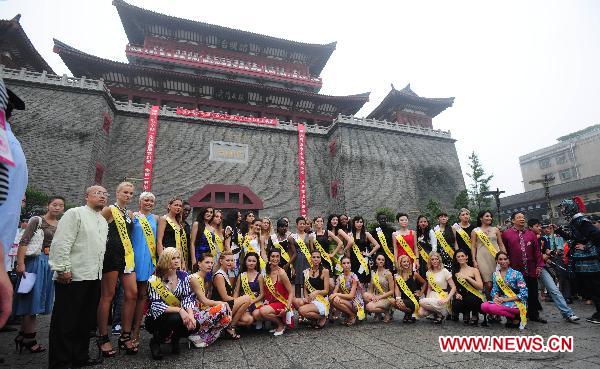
201	283
211	244
436	287
219	242
406	247
163	292
284	254
311	289
404	287
149	236
384	244
360	310
361	258
486	242
124	236
180	241
423	253
442	240
462	234
510	293
240	241
378	284
271	286
247	247
246	287
324	254
304	249
463	282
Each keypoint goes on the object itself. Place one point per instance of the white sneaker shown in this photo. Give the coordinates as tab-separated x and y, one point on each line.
279	333
572	319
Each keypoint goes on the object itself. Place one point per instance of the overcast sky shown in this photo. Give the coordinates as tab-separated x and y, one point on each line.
522	72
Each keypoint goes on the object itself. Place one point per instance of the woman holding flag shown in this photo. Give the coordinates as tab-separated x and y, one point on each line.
143	239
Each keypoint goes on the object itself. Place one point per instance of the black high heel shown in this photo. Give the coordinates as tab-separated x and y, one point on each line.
18	340
155	349
29	344
101	340
126	337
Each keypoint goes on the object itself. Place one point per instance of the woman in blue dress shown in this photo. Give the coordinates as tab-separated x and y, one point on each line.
143	239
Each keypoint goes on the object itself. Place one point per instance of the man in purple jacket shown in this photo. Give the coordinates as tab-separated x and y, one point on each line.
524	253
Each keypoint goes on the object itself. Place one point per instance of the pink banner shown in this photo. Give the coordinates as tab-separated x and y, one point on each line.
221	116
150	145
302	170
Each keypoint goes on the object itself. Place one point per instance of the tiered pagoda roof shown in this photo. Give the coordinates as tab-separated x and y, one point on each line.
406	98
139	23
16	50
120	76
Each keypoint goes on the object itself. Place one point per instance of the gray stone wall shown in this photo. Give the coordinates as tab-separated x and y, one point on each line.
61	134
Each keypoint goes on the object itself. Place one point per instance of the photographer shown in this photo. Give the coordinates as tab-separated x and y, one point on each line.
584	243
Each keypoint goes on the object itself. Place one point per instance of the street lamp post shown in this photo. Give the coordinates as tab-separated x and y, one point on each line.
496	195
545	181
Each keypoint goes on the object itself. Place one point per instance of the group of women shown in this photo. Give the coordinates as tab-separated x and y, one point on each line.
207	280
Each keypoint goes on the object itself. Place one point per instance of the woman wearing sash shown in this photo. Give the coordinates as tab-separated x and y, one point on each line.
265	229
203	238
437	300
361	250
509	293
347	295
232	223
379	298
278	294
469	297
283	241
119	262
426	242
302	262
253	243
405	241
143	239
319	241
463	231
407	289
446	240
315	305
333	226
223	291
250	283
212	316
172	309
246	224
170	231
486	241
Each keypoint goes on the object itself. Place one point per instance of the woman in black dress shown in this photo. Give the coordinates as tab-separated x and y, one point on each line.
413	284
425	241
463	231
364	244
171	233
446	240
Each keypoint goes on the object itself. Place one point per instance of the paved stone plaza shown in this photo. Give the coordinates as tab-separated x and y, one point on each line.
369	344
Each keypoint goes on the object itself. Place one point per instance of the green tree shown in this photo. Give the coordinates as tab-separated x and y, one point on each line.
389	213
432	209
480	183
35	201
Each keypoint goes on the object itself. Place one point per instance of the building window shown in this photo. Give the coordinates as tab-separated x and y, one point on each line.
545	163
565	175
561	159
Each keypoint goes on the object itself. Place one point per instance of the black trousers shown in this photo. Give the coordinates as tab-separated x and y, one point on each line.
533	302
467	305
168	325
73	318
590	287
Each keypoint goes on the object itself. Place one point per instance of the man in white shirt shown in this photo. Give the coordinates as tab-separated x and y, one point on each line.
76	257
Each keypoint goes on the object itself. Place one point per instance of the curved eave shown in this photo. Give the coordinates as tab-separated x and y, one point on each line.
75	58
131	16
12	30
433	106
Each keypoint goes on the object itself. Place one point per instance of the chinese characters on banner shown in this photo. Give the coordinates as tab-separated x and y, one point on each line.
221	116
302	169
150	145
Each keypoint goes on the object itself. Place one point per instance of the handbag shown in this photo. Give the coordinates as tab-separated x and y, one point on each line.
34	247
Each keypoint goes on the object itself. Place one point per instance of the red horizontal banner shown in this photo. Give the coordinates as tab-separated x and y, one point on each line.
221	116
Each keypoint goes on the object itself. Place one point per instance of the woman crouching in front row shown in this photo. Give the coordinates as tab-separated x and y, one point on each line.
172	303
315	306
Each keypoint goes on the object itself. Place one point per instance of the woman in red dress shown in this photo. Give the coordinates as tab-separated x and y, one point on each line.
409	237
278	290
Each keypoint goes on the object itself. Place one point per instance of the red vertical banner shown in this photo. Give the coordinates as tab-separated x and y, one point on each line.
302	169
150	145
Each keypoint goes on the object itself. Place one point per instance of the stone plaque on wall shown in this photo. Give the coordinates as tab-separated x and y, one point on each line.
229	152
